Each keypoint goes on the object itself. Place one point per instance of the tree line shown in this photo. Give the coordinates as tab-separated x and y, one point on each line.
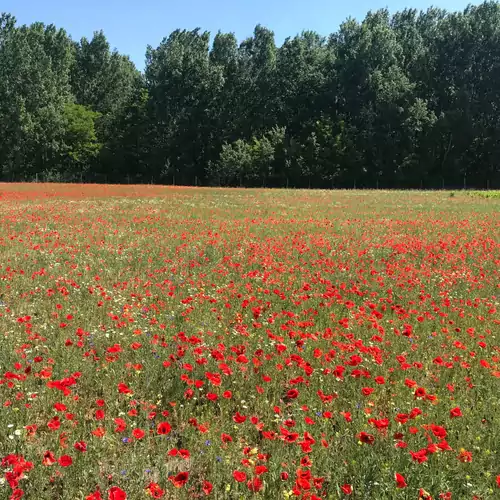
405	100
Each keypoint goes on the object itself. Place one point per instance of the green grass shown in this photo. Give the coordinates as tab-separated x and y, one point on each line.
485	194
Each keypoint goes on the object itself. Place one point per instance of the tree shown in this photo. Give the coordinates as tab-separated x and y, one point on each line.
79	145
257	58
35	63
183	86
234	164
127	153
403	100
101	79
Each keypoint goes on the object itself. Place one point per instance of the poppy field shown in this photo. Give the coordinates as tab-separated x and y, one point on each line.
184	343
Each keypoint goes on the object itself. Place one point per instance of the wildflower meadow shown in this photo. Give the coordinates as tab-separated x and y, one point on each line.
184	343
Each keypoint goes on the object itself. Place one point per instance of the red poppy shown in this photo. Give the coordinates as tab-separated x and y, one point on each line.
423	495
239	419
121	425
207	487
420	392
94	496
255	484
65	461
260	469
346	489
163	428
154	490
99	432
180	479
138	433
48	458
115	493
366	438
465	456
81	446
400	481
54	424
239	476
226	438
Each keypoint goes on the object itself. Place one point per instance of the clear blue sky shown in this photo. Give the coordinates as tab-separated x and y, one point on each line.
132	24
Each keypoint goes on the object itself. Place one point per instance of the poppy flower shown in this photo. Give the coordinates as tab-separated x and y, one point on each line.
366	438
99	432
163	428
180	479
346	489
138	433
255	484
207	487
154	490
465	456
400	481
238	418
65	461
17	494
116	493
54	424
226	438
121	425
80	446
94	496
420	392
49	458
260	469
423	495
240	477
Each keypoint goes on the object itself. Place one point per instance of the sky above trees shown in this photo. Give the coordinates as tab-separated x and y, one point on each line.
131	25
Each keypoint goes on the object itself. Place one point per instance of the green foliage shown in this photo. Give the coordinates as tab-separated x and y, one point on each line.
35	63
403	100
251	161
234	165
80	137
485	194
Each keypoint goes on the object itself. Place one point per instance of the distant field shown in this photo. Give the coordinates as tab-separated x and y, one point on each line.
486	194
177	343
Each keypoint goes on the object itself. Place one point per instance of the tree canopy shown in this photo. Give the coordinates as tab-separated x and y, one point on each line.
404	100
